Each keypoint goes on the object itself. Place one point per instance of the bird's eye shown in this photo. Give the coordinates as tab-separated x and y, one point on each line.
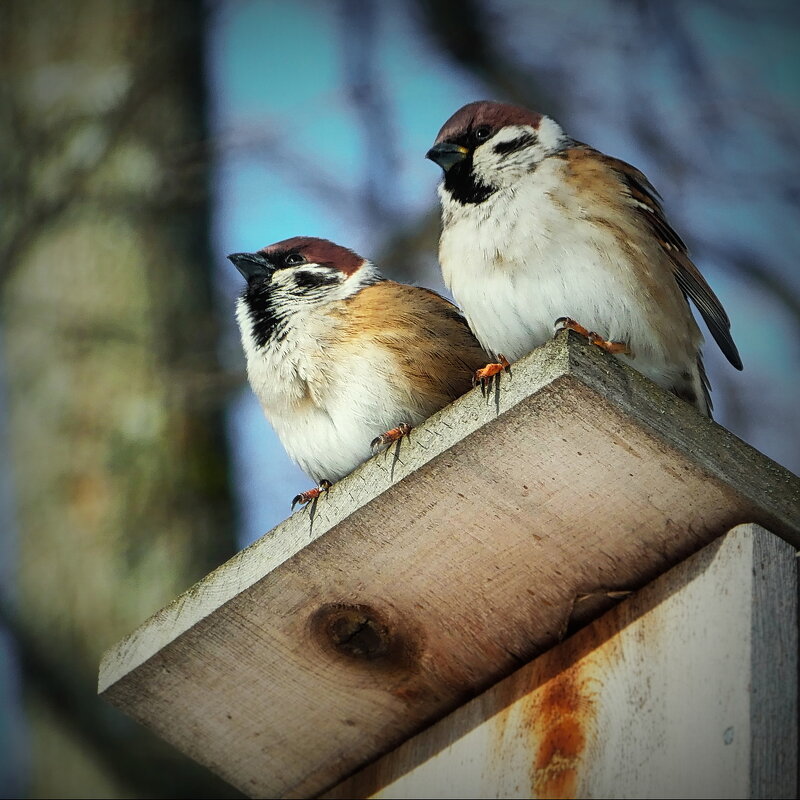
293	259
483	133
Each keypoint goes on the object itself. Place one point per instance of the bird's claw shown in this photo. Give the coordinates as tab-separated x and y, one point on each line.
567	323
484	375
311	494
393	435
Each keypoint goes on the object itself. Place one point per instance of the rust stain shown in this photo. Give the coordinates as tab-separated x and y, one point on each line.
561	717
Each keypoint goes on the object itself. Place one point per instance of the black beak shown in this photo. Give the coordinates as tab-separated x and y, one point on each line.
447	155
252	265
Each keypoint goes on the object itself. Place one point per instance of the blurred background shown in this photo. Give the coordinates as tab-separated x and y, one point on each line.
142	141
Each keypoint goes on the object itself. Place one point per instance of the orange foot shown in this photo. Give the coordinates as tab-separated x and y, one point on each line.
485	375
311	494
394	435
565	323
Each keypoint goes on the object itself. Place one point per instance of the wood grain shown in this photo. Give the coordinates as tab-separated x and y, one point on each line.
437	569
687	689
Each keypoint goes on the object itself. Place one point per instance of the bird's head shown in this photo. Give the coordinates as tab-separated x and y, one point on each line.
486	146
297	275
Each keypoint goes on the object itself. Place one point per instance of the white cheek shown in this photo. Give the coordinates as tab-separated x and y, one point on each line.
283	290
502	170
550	136
367	273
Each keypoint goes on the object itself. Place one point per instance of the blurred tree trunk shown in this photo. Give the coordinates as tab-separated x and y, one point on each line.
118	457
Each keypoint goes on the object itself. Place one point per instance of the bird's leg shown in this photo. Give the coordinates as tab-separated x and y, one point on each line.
566	323
393	435
484	375
311	494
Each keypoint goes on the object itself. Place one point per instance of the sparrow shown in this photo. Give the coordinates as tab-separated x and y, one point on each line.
342	360
539	229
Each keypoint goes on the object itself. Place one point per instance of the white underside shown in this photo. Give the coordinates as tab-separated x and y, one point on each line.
326	402
516	263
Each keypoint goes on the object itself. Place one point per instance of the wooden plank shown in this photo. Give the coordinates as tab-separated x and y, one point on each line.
437	569
687	689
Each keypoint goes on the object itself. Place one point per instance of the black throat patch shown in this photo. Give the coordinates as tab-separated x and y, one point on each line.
463	186
268	323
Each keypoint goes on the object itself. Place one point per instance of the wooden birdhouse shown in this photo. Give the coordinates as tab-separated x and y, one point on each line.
570	585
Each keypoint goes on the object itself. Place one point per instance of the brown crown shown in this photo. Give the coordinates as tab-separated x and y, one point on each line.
318	251
486	112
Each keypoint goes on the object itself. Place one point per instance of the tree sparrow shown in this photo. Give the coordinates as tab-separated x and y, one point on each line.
342	360
538	228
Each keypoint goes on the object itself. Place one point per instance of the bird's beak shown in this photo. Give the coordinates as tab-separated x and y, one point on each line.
447	155
252	265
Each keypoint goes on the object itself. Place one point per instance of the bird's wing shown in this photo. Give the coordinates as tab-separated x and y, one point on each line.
426	336
647	202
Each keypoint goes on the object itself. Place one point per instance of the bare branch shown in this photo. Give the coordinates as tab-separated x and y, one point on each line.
360	37
463	30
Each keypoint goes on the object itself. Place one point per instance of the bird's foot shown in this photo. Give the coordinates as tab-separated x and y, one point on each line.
566	323
311	494
484	376
393	435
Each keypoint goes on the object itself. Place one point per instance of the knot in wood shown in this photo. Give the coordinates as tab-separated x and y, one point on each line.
356	632
365	635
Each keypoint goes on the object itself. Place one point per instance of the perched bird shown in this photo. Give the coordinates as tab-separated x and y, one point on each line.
341	359
538	229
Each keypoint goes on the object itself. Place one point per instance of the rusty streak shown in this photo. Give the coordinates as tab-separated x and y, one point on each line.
561	714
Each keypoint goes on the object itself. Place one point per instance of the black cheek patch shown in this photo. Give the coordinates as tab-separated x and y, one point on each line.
503	148
312	280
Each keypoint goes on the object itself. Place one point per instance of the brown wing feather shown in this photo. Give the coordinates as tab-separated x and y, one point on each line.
427	336
688	277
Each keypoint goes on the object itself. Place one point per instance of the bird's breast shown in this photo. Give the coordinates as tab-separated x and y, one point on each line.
328	397
540	251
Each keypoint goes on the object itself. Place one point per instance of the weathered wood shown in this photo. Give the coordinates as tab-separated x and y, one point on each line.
687	689
437	569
